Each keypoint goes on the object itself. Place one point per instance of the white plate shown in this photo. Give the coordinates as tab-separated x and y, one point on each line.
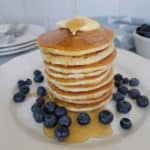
32	32
19	131
17	47
18	50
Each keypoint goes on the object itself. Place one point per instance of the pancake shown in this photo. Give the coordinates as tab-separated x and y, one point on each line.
74	75
79	60
87	87
60	94
89	101
83	69
80	81
81	108
62	42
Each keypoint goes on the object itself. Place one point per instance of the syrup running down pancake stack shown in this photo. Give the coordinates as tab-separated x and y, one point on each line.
78	64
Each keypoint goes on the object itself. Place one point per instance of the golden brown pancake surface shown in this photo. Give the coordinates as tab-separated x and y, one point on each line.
83	68
79	60
85	95
62	39
79	81
80	108
74	75
86	87
89	101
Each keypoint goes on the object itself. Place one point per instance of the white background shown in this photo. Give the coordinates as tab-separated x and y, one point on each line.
47	12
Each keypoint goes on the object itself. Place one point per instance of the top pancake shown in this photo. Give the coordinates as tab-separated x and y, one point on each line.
62	42
79	60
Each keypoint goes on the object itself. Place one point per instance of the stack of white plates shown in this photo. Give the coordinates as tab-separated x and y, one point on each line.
18	38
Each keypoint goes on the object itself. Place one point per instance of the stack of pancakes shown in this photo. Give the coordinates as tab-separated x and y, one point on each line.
79	67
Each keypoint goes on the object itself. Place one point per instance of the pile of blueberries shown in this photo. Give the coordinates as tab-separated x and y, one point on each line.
143	30
53	116
24	86
23	90
123	106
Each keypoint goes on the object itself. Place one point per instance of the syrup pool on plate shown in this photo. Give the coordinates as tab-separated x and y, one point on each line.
80	133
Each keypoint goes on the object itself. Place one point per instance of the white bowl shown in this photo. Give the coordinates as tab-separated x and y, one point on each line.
142	45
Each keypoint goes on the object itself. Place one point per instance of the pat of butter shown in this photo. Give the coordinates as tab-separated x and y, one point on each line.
79	24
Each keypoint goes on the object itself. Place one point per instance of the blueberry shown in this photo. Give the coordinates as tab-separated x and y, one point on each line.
19	97
144	26
142	101
123	90
37	72
38	104
118	84
40	101
39	78
125	123
38	115
61	133
123	107
125	81
134	82
41	91
64	121
35	108
50	121
144	30
141	33
24	89
83	119
28	82
118	77
147	34
21	83
105	117
60	111
134	93
118	97
50	107
138	29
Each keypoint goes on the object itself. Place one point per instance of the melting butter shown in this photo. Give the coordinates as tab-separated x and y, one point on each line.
79	23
